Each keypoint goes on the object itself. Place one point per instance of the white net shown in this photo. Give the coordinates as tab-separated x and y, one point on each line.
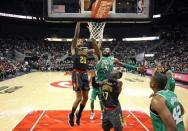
96	30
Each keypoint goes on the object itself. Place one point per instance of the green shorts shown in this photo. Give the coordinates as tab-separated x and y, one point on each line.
95	92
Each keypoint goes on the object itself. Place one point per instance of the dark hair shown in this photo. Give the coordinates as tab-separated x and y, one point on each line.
161	80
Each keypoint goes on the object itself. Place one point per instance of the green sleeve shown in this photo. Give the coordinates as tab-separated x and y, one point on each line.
130	66
170	84
173	84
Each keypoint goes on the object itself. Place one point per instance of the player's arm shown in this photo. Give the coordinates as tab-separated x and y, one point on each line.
99	43
155	70
75	39
173	84
96	48
101	83
91	76
90	80
120	83
182	108
158	105
151	95
119	63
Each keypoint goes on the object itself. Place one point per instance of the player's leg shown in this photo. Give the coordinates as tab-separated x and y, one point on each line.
93	98
74	107
84	87
116	118
100	102
92	115
77	101
75	77
106	124
82	106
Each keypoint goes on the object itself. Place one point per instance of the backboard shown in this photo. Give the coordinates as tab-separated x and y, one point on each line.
130	11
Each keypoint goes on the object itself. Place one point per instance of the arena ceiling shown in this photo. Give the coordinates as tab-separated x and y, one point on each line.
174	12
35	7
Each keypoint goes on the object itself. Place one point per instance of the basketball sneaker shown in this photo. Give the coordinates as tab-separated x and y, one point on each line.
92	115
78	119
71	119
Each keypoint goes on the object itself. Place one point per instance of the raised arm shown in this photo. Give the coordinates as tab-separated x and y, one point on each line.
119	63
182	108
120	83
91	76
75	39
96	47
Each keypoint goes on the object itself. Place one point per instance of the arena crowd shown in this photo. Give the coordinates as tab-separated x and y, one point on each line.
42	55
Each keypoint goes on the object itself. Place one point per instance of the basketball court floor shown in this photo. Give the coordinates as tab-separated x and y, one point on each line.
42	101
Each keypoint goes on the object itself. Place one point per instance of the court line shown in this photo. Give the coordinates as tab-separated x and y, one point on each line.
139	121
37	120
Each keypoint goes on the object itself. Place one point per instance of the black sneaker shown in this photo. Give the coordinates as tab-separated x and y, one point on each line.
78	119
71	119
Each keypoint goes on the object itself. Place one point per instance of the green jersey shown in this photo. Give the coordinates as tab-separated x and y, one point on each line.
173	106
104	67
170	84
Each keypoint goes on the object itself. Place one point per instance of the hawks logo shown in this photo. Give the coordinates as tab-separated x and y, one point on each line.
62	84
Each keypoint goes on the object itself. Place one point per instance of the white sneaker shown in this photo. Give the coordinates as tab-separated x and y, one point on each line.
101	116
92	115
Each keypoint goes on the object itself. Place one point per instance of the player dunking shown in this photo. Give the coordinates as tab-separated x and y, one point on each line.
104	67
79	76
165	109
112	114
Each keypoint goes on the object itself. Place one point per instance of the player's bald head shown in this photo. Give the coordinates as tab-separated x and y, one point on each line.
169	73
106	52
158	81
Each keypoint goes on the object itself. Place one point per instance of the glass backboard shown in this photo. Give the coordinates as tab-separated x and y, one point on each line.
77	10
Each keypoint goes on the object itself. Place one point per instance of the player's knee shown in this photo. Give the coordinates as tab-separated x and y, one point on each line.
85	98
78	99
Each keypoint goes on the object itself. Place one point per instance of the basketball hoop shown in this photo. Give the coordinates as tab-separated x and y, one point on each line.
100	10
96	30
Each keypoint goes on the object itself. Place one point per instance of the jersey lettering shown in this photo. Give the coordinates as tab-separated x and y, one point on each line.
177	115
82	59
